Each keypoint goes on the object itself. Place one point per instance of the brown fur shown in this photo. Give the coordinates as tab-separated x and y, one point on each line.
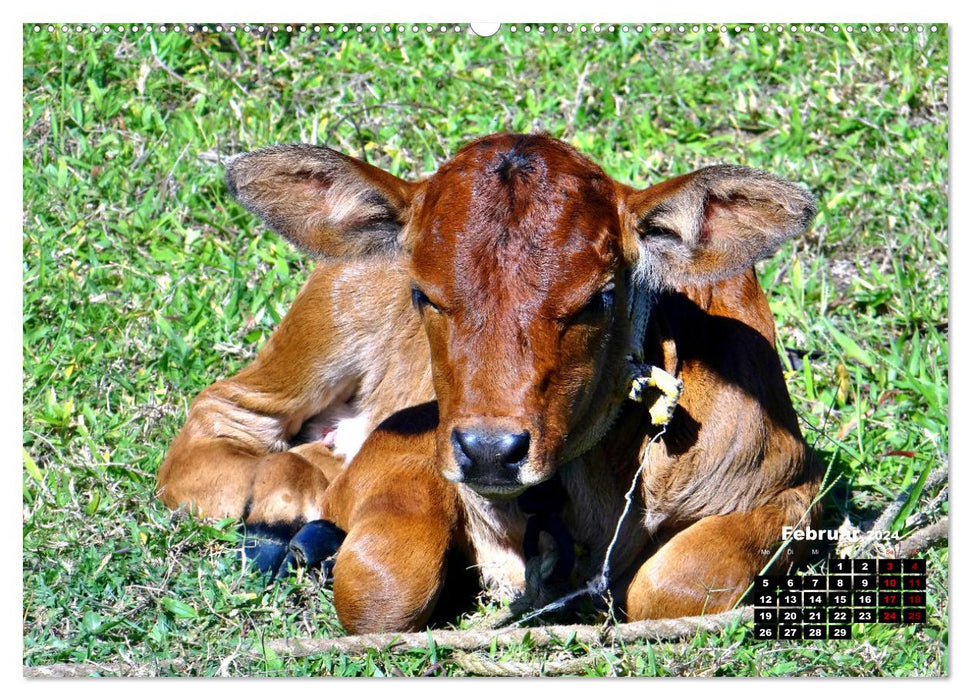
510	246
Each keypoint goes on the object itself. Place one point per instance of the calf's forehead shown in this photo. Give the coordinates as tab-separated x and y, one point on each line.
527	211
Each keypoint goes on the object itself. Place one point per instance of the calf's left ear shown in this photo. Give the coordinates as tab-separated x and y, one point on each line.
712	223
322	201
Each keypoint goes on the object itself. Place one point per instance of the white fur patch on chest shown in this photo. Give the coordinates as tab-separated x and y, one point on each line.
349	434
340	427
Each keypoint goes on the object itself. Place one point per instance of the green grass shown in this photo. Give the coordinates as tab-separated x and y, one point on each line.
143	283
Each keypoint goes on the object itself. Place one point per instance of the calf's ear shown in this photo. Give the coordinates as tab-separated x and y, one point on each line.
324	202
712	223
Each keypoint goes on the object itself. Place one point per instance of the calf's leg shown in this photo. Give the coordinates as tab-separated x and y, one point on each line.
707	567
231	458
401	519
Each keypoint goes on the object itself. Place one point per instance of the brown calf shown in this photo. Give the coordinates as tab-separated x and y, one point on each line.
512	286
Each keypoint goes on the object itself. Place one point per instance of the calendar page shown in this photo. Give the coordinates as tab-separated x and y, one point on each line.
400	348
824	606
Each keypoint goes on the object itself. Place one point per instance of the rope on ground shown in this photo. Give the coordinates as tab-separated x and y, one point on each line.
86	670
922	539
479	664
477	639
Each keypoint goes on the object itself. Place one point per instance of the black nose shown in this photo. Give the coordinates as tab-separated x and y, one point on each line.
490	456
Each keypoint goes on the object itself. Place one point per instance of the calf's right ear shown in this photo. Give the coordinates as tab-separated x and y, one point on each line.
712	223
324	202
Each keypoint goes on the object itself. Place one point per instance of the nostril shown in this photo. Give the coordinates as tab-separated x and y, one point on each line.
486	451
464	444
515	448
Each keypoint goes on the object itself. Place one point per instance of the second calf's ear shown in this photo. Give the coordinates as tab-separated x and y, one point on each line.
712	223
324	202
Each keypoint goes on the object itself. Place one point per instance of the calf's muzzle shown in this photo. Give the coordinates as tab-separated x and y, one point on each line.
490	458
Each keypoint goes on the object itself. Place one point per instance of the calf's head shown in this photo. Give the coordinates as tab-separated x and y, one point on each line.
522	255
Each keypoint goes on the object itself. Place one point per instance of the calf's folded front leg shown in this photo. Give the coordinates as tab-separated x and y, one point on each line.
232	457
401	519
707	567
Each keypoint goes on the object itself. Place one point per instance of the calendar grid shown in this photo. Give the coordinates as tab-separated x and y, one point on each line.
825	606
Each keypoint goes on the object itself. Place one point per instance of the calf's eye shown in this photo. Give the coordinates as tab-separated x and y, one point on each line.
598	306
420	301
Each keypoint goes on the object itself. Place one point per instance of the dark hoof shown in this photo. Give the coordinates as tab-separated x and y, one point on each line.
316	541
273	552
265	548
